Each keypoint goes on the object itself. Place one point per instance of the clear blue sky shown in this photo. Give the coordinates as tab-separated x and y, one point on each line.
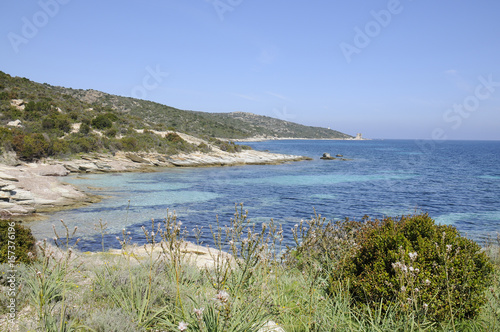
388	69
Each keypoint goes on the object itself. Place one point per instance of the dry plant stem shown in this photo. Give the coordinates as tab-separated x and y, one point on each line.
171	244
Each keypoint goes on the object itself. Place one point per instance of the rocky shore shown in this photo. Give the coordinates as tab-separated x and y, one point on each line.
30	188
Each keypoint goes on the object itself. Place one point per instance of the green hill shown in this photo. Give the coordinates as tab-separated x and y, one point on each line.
58	121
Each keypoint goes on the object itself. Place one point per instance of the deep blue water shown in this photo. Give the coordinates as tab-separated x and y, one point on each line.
456	182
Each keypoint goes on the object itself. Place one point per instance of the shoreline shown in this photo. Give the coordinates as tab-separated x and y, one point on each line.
28	190
263	139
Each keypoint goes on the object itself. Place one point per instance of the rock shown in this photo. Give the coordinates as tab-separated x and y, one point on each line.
16	123
50	170
339	155
4	196
87	167
136	159
326	156
6	205
18	103
7	177
21	195
72	167
18	209
103	166
9	187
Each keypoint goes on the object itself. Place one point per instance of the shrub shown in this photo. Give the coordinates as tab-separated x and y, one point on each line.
83	143
418	266
203	147
111	132
101	122
35	110
84	128
31	146
18	239
174	138
129	143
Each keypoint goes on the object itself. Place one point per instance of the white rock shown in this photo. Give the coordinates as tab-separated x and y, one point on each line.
7	177
49	170
9	187
16	123
4	195
87	167
6	205
18	103
22	195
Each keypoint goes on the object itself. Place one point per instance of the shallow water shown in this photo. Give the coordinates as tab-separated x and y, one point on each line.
456	182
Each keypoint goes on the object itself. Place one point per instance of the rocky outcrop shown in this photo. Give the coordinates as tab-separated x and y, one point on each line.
247	157
327	156
32	188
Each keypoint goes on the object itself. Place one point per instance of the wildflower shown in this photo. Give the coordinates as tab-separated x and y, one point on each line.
413	256
411	269
183	326
425	305
403	289
222	296
416	290
231	242
198	312
427	282
448	247
417	270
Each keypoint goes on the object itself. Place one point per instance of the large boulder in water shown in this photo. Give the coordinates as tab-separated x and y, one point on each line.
327	156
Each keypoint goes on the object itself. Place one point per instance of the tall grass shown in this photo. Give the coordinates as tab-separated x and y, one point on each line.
250	281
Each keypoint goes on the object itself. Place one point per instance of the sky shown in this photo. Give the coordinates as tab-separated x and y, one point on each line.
409	69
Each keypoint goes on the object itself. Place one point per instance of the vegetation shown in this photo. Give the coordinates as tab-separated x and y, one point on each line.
315	285
18	240
61	114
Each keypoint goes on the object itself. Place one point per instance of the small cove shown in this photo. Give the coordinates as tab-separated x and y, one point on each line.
456	182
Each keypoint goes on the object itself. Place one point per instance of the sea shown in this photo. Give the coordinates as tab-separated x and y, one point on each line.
456	182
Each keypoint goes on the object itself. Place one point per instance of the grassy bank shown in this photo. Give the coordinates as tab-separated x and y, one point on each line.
251	280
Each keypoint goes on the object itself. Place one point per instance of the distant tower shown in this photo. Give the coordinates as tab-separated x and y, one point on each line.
359	136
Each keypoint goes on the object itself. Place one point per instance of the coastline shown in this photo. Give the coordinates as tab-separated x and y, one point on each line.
266	138
28	190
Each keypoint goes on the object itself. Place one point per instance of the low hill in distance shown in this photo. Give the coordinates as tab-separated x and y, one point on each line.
39	120
236	125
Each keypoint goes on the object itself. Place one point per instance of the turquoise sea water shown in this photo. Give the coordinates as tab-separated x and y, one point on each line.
456	182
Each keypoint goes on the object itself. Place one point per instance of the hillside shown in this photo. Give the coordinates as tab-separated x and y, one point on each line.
39	120
236	125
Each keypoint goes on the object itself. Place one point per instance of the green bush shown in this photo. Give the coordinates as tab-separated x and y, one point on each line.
111	132
418	266
102	122
84	128
174	138
30	147
18	240
129	143
203	147
35	110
